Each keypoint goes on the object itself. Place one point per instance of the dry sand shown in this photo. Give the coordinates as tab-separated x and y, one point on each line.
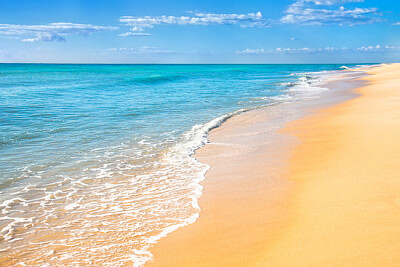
324	192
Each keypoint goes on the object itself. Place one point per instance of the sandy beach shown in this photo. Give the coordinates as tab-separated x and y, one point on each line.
319	188
200	133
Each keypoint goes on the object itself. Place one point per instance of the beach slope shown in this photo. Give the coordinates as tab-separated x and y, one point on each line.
331	198
345	208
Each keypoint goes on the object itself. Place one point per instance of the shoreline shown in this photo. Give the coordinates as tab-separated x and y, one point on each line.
61	246
227	193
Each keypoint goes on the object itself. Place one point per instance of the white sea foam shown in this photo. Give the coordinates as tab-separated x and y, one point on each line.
6	206
306	87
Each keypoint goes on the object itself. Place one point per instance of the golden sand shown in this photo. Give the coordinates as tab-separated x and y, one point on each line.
336	202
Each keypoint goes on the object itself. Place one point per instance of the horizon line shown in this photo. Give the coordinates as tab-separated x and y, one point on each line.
65	63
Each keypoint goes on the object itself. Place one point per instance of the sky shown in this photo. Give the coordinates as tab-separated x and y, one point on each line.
199	31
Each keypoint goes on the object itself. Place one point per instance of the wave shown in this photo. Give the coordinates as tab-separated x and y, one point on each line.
306	86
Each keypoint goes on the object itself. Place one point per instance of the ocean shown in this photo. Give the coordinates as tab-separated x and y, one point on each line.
95	160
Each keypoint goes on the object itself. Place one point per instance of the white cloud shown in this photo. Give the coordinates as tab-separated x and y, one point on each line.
304	12
142	50
126	34
397	23
326	50
48	37
279	50
294	50
49	32
332	2
251	51
152	50
378	48
139	24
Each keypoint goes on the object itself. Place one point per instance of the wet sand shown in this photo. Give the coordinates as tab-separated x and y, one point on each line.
322	191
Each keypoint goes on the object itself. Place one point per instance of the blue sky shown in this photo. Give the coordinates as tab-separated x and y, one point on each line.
228	31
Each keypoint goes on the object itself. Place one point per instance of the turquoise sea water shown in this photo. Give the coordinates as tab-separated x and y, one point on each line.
89	149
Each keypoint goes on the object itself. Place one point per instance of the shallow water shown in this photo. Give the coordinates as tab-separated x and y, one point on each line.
95	160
